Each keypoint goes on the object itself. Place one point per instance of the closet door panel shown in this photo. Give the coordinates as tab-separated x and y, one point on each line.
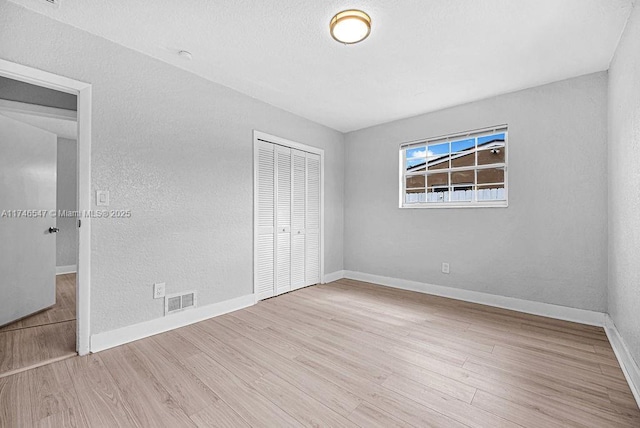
298	207
312	220
265	207
283	219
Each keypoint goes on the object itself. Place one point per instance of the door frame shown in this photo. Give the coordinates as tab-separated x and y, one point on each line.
83	92
263	136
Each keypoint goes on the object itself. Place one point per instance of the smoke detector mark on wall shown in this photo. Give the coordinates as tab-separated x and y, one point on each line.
186	55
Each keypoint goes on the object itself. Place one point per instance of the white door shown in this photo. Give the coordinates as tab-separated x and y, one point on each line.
264	161
287	199
27	246
298	209
283	219
312	220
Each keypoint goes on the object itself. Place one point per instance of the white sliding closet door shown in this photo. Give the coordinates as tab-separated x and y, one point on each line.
312	230
283	219
288	208
264	161
298	216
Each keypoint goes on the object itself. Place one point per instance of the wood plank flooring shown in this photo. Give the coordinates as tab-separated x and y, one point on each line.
49	335
63	310
346	354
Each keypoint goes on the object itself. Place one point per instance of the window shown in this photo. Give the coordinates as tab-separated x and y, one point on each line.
460	170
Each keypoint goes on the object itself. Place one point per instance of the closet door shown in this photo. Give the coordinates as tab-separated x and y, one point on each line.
298	208
264	160
312	220
283	219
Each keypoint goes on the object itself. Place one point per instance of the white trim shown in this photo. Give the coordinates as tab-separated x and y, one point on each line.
268	138
83	91
62	270
333	276
38	110
549	310
456	136
130	333
484	204
627	363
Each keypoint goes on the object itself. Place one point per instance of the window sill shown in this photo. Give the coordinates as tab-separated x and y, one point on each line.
497	204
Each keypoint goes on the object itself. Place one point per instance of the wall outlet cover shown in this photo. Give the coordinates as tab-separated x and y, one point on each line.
102	198
159	290
445	267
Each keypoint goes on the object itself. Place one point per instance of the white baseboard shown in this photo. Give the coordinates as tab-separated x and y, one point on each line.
527	306
61	270
109	339
627	363
333	276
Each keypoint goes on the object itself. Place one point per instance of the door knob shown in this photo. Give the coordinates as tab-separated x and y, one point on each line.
53	230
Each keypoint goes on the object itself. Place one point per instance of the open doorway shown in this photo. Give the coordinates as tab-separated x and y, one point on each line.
45	142
38	218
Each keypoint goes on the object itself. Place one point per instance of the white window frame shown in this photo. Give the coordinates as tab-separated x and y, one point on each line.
474	203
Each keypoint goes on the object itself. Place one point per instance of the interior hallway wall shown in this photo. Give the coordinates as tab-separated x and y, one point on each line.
67	199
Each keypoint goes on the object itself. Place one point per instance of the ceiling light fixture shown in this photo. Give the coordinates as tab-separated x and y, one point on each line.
350	26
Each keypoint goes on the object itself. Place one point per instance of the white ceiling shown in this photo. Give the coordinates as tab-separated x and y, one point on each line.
422	55
63	128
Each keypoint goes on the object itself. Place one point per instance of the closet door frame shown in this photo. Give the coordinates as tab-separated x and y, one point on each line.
261	136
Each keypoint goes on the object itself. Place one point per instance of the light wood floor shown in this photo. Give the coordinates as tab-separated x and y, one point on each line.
341	354
48	335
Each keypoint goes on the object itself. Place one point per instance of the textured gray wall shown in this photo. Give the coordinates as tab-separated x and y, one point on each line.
624	186
15	90
67	185
177	151
549	245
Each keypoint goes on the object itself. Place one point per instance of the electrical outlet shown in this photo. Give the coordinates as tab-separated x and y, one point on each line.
445	267
158	290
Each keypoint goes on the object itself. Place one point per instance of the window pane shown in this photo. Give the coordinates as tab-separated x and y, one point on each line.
437	194
438	150
438	180
416	159
463	177
462	193
414	181
438	156
463	145
493	153
439	163
491	192
415	196
491	175
483	141
463	159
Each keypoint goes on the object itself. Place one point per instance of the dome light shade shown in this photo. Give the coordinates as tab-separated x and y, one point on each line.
350	26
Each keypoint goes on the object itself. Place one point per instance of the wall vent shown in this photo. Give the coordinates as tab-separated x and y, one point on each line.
179	302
